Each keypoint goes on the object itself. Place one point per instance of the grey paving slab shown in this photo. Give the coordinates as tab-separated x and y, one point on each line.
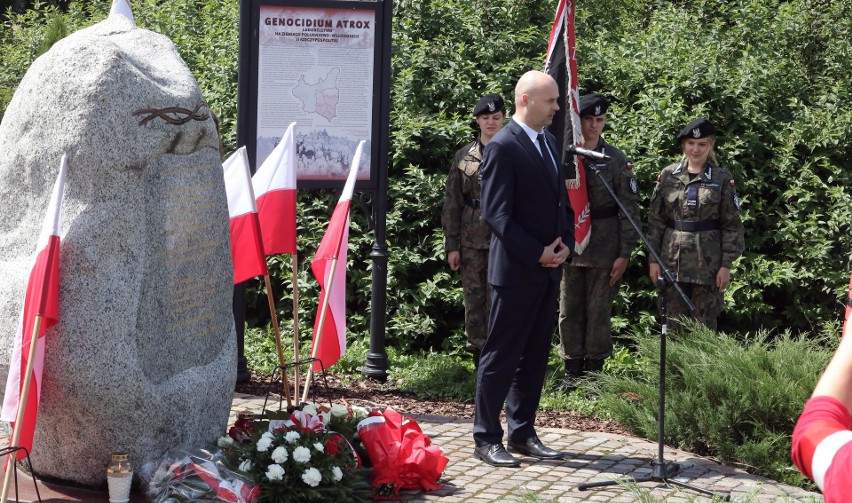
589	457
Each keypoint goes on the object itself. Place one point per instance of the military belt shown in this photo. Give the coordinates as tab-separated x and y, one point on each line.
601	213
472	202
704	225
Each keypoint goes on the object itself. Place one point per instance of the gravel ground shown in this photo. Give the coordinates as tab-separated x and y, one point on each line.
371	393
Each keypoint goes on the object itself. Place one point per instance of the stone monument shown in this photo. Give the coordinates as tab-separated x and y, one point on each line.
144	356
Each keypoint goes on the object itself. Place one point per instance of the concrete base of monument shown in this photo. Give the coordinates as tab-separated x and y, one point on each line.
27	491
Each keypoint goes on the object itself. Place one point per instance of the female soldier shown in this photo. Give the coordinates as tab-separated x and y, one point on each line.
694	223
466	234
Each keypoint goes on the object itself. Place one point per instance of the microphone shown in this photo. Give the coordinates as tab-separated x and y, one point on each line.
588	154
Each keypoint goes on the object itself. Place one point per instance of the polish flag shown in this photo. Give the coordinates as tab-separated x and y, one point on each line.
246	246
275	189
332	334
42	300
121	8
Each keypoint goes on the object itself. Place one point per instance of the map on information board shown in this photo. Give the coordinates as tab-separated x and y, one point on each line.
315	67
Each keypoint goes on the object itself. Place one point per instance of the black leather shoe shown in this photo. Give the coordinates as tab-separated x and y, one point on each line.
533	447
495	455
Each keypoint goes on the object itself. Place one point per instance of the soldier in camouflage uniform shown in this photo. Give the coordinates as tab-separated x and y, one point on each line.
694	222
591	279
467	236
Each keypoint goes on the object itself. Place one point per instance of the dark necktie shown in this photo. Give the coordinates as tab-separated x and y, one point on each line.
545	153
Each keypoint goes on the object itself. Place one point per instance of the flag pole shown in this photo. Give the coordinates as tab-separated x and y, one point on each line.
22	406
321	324
274	315
295	262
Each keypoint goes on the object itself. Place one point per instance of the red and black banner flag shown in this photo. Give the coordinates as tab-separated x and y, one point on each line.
561	64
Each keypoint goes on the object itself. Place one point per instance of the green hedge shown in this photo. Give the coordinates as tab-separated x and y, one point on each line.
770	74
736	401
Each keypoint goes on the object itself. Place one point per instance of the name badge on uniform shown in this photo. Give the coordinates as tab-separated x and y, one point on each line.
736	198
692	195
711	185
601	166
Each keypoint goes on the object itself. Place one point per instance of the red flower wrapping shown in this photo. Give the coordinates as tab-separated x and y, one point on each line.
402	456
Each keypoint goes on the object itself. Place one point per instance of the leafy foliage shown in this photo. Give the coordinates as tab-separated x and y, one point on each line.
771	75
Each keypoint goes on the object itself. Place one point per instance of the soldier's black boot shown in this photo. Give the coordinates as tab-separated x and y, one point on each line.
593	365
573	373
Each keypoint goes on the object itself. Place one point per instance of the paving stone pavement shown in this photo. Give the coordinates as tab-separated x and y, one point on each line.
589	457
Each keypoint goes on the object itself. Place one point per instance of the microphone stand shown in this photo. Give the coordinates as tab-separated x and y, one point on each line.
662	472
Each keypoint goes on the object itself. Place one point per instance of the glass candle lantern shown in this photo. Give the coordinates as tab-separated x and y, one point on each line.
119	477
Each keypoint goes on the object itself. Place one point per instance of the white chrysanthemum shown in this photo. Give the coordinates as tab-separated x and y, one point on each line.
246	465
312	477
292	436
310	408
338	410
263	444
224	441
337	473
359	411
319	447
280	454
301	454
268	435
275	472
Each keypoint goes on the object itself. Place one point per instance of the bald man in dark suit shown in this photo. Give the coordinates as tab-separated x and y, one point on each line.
524	202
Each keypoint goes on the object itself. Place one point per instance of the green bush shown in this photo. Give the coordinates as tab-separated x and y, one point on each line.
732	398
771	74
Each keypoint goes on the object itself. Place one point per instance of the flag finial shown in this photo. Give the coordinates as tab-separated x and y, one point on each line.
121	8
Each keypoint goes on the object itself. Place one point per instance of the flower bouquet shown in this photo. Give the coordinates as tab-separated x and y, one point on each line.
298	460
181	477
402	456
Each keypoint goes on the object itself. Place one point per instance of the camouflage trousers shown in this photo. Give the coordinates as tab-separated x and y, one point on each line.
585	312
708	301
477	295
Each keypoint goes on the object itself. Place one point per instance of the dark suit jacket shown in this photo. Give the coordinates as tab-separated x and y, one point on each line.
525	205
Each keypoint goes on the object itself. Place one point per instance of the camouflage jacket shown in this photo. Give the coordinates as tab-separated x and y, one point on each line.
612	236
461	217
695	223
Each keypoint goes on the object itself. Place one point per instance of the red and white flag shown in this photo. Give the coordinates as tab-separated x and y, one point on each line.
246	246
561	64
42	299
275	189
332	334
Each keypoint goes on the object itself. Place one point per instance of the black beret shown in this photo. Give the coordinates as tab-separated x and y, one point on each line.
489	104
593	104
699	128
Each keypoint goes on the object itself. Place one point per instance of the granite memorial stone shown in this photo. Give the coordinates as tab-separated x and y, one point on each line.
144	356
